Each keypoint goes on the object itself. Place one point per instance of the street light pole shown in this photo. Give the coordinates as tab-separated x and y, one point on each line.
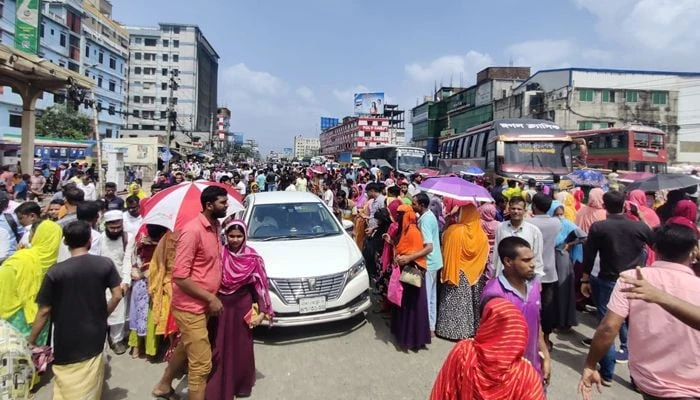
98	144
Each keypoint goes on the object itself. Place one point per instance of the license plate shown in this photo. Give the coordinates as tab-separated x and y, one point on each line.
312	304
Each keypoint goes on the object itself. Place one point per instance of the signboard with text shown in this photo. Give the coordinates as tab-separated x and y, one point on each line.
27	26
369	103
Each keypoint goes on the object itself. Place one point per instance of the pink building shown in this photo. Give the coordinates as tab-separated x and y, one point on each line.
354	134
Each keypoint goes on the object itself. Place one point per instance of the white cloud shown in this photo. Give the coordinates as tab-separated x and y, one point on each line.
348	95
449	68
541	53
664	26
306	94
240	77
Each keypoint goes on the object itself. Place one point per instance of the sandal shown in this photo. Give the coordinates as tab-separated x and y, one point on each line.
165	396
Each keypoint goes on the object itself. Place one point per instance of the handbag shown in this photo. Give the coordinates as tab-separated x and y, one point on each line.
411	275
395	289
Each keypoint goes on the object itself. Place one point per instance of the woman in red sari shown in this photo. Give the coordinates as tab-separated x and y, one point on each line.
491	365
243	283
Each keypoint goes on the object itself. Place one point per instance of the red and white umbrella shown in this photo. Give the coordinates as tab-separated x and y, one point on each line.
177	205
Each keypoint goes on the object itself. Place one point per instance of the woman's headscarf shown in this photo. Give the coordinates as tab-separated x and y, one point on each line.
410	238
22	273
393	209
567	199
136	190
436	207
488	213
360	196
578	197
244	267
685	213
465	247
567	227
491	366
639	198
593	212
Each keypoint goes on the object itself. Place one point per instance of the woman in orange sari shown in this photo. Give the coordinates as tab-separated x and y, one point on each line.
491	366
409	323
465	252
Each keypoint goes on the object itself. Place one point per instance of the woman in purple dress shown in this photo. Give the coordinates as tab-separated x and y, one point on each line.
243	283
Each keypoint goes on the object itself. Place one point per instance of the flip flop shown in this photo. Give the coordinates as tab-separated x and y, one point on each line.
166	396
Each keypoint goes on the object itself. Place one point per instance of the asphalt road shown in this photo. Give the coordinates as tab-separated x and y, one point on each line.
355	359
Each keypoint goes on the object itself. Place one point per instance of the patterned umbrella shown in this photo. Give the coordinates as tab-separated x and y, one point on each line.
179	204
456	188
473	171
587	177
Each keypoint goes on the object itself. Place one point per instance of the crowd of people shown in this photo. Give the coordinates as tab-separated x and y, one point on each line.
496	277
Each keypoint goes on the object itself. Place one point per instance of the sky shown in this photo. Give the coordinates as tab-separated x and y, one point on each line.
284	64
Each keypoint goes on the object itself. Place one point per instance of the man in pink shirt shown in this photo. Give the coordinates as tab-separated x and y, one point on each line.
196	277
664	361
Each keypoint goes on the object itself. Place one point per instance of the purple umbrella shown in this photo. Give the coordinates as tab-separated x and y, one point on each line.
456	188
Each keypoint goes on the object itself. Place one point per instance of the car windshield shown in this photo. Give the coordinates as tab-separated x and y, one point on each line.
291	221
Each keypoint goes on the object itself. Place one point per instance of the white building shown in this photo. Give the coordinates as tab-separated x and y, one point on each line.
306	146
588	98
155	54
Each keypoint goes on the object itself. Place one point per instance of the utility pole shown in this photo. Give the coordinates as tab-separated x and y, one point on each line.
172	117
98	144
211	134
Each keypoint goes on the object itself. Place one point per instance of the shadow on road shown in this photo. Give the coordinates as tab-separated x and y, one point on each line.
302	334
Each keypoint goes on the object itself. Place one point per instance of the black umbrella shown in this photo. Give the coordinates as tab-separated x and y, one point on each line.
663	182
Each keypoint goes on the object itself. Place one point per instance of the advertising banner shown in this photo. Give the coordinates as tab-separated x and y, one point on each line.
238	138
327	123
27	26
369	103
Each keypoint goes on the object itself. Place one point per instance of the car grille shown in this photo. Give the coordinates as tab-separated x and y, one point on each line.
291	290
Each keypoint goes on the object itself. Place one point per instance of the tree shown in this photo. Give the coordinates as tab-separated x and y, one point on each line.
63	121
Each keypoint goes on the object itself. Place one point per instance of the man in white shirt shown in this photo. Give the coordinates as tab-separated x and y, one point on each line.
88	211
239	185
328	195
517	226
27	213
132	215
88	188
114	246
301	183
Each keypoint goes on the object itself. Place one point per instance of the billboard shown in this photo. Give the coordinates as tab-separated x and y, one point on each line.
327	123
27	26
369	103
238	138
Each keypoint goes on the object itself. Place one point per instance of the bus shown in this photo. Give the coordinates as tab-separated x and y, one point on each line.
402	159
632	148
511	148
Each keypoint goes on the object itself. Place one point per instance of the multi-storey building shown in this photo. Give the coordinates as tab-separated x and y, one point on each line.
353	134
157	55
105	47
592	98
305	147
80	36
397	130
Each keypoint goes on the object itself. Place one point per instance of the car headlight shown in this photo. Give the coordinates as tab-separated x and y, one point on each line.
356	269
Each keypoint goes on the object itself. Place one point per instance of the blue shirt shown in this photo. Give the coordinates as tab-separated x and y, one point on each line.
21	190
428	225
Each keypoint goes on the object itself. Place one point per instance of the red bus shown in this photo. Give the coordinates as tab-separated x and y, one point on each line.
630	148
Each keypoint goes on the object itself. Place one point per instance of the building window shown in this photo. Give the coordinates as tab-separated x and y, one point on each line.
164	72
176	30
87	51
51	31
136	113
150	42
99	81
176	58
108	132
164	86
174	100
137	56
41	28
15	121
659	98
137	99
166	43
137	70
162	115
149	56
138	40
59	98
163	100
112	86
585	95
585	125
100	58
165	57
176	43
608	96
62	41
112	109
631	96
112	63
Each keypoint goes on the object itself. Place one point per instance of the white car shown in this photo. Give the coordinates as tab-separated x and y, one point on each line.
315	270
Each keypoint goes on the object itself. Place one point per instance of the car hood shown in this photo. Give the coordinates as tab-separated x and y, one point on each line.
307	258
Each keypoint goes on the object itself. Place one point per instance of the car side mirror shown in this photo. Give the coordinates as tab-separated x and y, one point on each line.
348	225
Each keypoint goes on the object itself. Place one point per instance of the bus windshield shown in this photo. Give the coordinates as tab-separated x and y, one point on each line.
410	160
537	157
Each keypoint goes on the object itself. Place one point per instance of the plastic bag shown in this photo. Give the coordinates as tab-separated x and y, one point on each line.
395	290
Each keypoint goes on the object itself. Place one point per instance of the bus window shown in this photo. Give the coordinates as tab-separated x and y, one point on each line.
450	145
463	153
656	141
443	146
468	146
458	150
491	156
480	148
472	148
641	140
455	147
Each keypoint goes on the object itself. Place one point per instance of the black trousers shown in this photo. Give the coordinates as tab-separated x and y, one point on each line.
549	314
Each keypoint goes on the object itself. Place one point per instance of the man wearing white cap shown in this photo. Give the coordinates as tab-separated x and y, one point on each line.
115	245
